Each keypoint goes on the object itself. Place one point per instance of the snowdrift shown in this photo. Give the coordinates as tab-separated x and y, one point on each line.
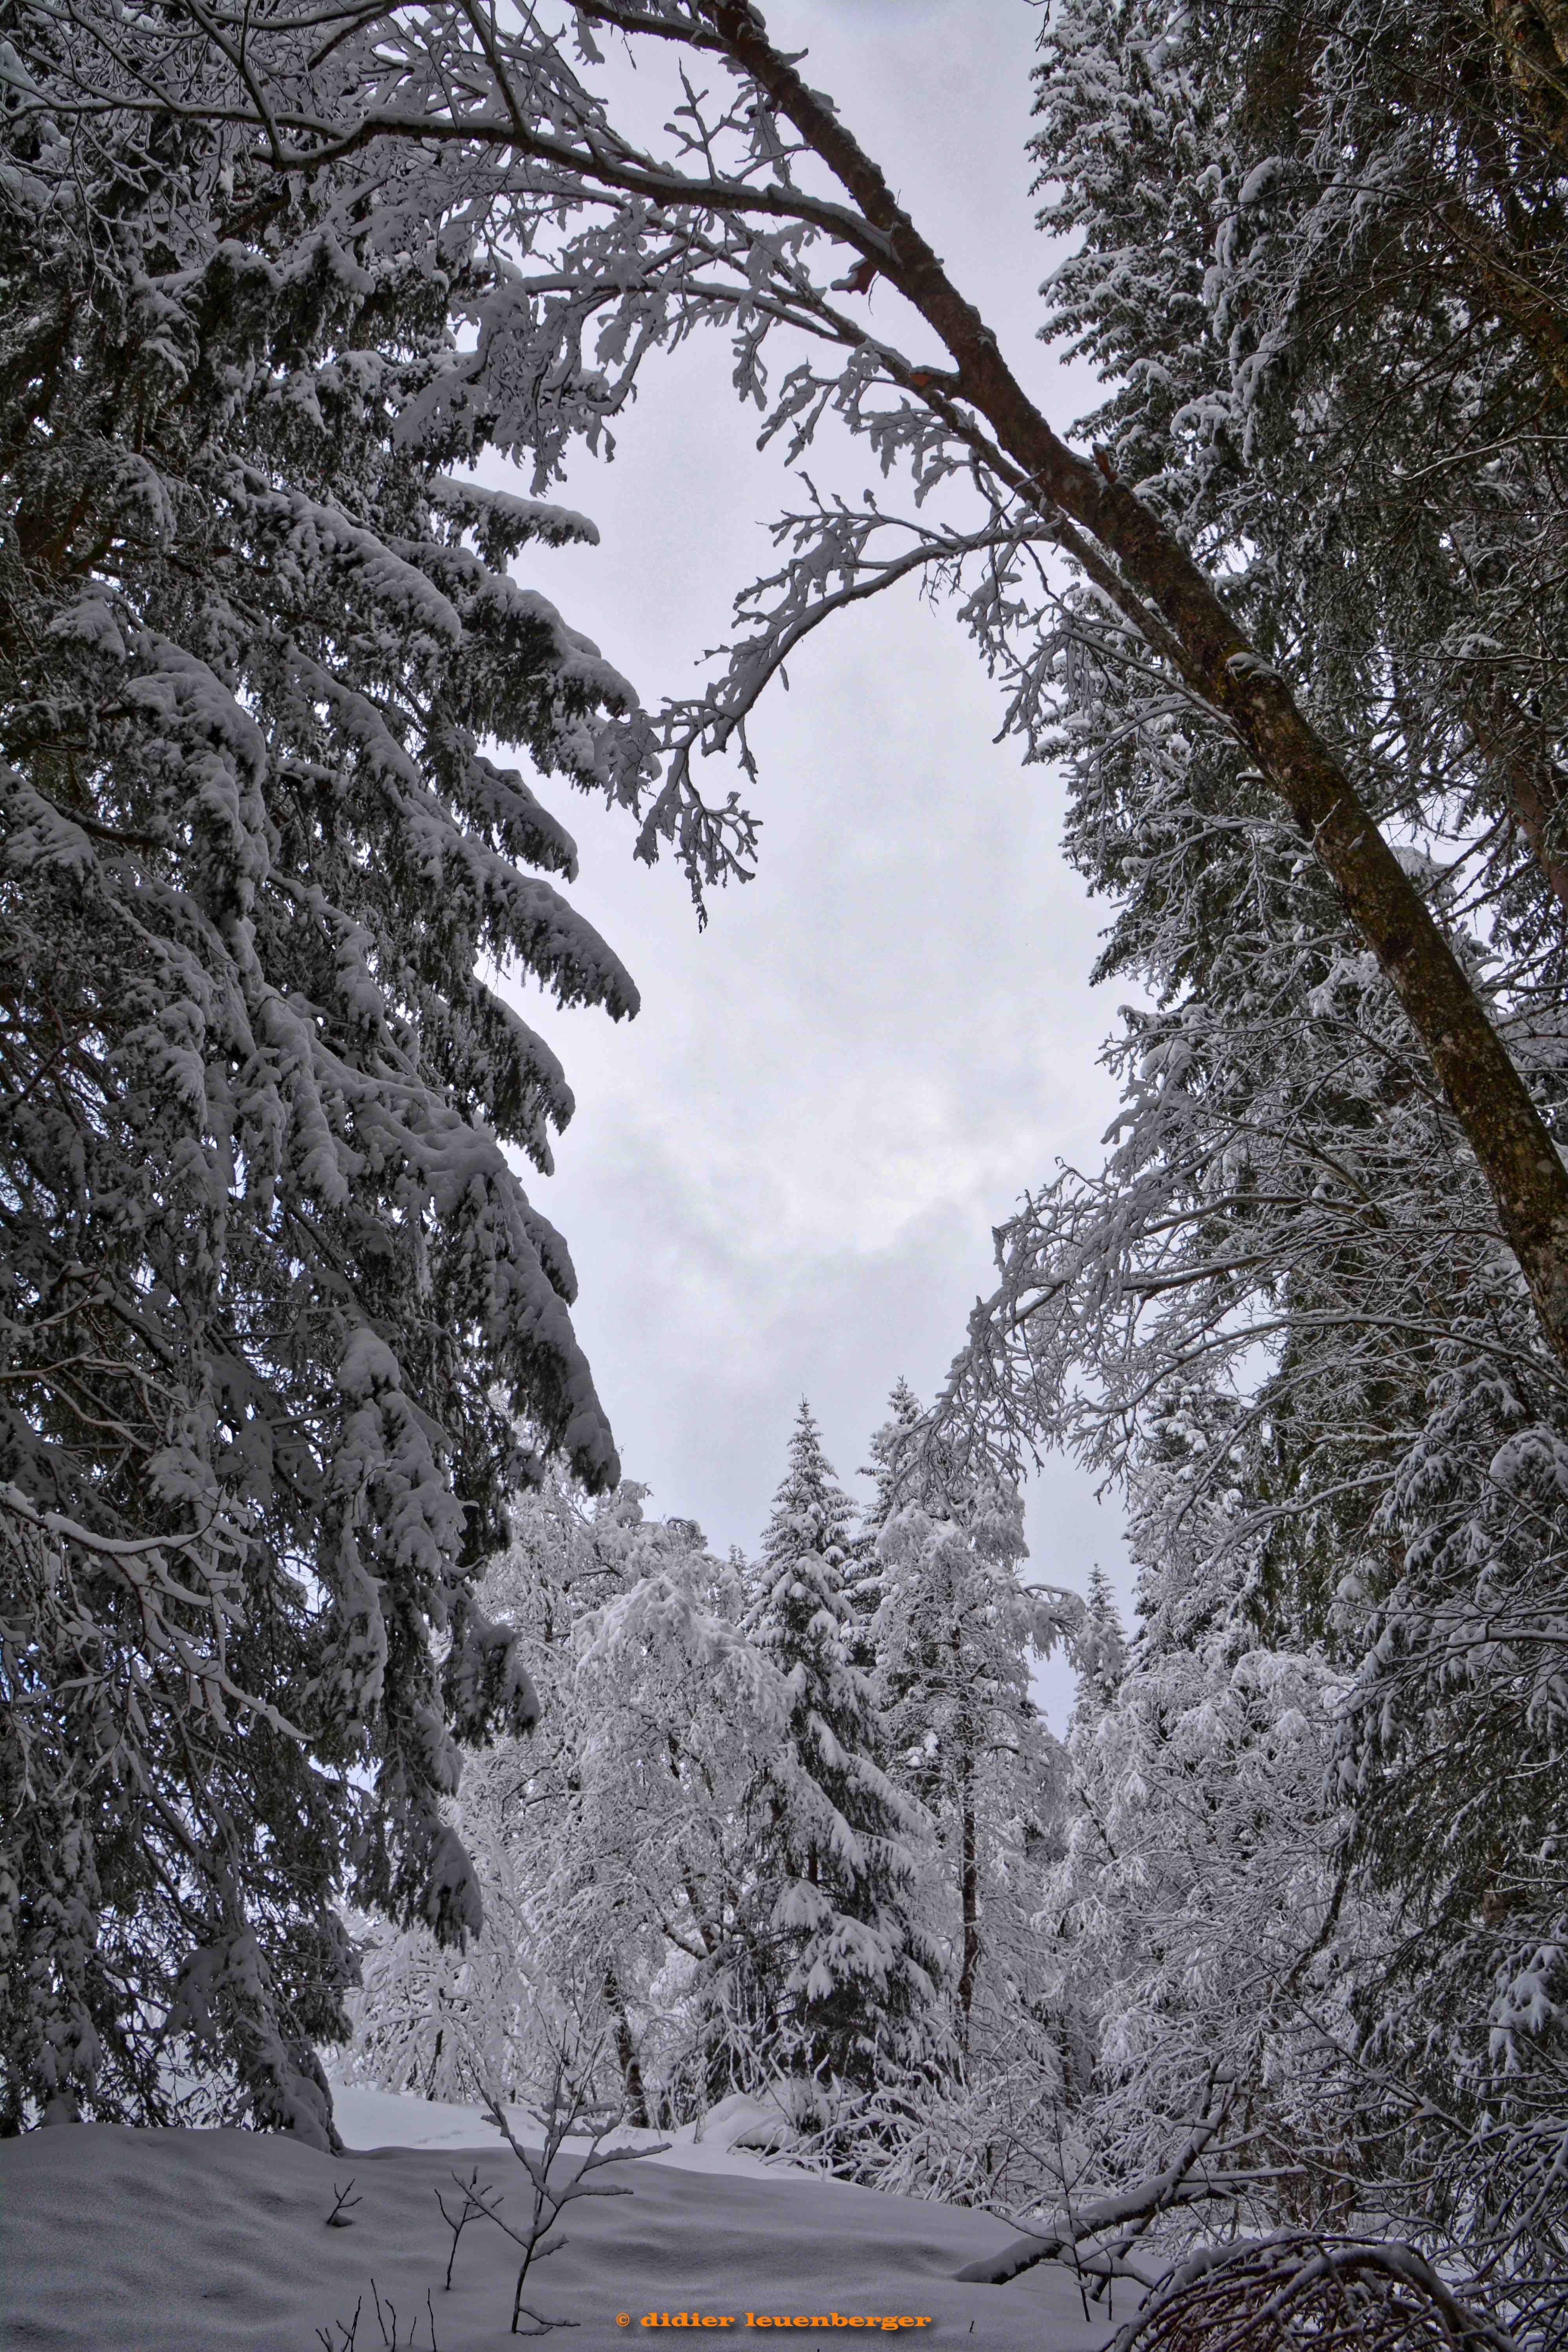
119	2240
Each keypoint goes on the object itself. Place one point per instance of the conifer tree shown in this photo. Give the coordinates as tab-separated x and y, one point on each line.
272	1285
956	1631
890	1465
1101	1646
847	1971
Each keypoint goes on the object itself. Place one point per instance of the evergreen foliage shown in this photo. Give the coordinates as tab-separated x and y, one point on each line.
893	1457
1315	256
273	1289
1291	614
843	1960
617	251
1101	1644
956	1633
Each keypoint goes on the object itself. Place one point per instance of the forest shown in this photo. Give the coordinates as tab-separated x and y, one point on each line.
360	1720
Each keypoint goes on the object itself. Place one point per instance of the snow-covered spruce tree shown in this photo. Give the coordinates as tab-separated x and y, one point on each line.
833	1932
1282	1175
1100	1645
1284	1204
1281	224
892	1450
1320	254
956	1632
271	1282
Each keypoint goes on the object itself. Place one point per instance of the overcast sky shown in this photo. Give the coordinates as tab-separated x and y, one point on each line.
782	1178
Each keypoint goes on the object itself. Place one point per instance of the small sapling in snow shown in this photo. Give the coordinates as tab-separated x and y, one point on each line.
347	2331
342	2204
386	2319
476	2201
569	2109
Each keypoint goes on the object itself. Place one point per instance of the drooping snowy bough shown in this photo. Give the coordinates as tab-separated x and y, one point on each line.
273	1290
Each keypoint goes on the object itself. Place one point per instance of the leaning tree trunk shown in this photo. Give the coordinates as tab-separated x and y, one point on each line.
1131	555
1533	38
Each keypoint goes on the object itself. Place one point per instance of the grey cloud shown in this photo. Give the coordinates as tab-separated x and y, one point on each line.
783	1176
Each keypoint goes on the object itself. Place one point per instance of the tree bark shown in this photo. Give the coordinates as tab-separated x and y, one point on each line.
1533	38
970	1898
1513	748
1166	594
627	2051
968	1857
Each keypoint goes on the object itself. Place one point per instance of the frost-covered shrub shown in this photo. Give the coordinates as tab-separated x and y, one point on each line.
1193	1924
610	1843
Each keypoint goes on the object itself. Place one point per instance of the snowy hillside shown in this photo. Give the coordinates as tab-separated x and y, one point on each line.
117	2240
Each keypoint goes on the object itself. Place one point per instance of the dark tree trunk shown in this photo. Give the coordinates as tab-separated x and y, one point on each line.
1533	38
627	2051
1513	748
969	1882
968	1857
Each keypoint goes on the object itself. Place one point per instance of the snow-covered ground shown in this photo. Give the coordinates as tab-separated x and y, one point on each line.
116	2241
732	2138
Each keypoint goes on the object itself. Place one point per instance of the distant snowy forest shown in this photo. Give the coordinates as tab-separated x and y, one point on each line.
352	1702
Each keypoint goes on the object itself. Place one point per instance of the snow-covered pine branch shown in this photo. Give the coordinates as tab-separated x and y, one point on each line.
273	1285
611	247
